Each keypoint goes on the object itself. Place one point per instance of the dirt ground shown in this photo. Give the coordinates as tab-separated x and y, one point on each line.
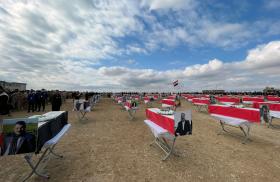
110	147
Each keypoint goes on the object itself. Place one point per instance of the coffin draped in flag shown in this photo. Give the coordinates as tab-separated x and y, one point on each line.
175	83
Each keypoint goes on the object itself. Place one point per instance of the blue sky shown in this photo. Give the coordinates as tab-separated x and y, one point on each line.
141	45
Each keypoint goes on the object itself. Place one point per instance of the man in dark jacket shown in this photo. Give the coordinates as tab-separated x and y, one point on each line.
38	101
19	141
31	101
56	101
184	126
44	97
4	106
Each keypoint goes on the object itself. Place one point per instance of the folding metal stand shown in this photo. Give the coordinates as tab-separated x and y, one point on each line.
165	146
34	167
199	107
148	104
82	115
132	112
49	147
244	127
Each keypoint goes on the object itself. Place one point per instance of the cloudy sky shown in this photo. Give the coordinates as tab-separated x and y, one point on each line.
141	44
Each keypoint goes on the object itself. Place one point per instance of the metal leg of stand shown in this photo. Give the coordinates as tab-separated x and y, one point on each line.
164	146
47	152
171	150
199	108
131	113
223	127
53	153
154	141
246	134
148	104
83	115
78	115
270	123
34	167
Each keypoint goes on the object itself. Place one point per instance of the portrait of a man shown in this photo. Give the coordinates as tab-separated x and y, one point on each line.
18	141
265	116
183	124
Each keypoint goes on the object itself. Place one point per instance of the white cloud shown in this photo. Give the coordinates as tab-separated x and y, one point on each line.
200	70
234	75
264	56
241	75
135	49
223	34
58	44
168	4
132	62
272	4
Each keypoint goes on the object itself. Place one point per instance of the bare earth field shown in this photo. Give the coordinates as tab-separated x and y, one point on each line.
110	147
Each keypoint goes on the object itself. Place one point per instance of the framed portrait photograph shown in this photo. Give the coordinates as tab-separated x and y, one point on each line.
265	115
18	136
183	123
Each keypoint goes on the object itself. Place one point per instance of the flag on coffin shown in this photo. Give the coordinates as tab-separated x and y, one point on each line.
175	83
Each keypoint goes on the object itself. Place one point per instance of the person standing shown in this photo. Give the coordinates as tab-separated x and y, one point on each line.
21	100
38	101
31	101
43	98
4	106
56	101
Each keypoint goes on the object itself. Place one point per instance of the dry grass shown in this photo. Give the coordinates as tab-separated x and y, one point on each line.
110	147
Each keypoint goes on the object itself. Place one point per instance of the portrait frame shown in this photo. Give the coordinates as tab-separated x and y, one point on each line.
19	136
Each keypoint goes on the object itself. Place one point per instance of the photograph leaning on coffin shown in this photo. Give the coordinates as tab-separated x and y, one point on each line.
18	136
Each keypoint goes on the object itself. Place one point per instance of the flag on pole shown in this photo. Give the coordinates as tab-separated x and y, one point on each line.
175	83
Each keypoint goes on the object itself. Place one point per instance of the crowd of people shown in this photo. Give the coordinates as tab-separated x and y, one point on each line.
30	100
36	100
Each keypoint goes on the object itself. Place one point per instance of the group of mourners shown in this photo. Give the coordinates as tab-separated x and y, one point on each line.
36	100
31	100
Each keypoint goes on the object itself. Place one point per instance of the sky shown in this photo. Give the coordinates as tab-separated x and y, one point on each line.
141	45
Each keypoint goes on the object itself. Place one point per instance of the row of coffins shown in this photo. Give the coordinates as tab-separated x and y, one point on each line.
149	99
171	102
233	99
230	112
129	103
202	101
34	135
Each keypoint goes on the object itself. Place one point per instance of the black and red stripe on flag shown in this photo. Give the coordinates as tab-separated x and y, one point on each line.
175	83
